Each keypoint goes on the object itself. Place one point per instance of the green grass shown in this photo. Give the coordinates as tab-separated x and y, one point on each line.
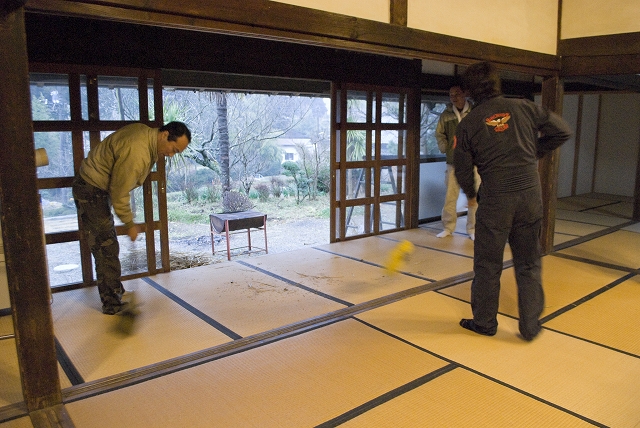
284	209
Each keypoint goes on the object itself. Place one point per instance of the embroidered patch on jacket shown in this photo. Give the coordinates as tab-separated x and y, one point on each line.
498	121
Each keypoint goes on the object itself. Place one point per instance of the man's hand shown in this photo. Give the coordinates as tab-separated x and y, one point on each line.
133	232
472	202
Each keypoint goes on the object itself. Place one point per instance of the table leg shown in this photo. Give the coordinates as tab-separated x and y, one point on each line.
226	229
264	225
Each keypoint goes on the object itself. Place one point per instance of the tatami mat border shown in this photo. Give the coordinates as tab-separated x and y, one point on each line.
204	317
353	413
591	236
586	298
67	365
13	411
596	263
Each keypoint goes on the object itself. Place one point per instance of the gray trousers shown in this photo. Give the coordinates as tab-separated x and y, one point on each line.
515	217
94	208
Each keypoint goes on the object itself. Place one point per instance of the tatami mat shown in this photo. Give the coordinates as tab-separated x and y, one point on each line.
597	383
408	363
11	387
620	248
564	282
590	218
163	330
461	398
582	202
423	262
243	299
343	278
610	318
302	381
23	422
576	229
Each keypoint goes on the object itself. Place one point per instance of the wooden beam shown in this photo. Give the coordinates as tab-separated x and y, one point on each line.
283	22
22	226
548	167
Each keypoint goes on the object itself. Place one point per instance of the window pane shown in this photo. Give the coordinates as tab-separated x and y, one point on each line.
357	179
391	215
393	144
58	210
49	96
59	153
429	114
152	112
356	145
391	112
64	264
359	219
391	180
118	98
356	106
84	105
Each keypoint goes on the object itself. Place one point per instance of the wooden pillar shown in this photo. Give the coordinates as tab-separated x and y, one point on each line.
398	12
636	192
552	92
21	218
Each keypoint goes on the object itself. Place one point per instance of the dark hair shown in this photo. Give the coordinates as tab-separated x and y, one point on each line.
176	130
456	81
482	81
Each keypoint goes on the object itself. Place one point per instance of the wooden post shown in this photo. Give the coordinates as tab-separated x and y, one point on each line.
21	217
552	92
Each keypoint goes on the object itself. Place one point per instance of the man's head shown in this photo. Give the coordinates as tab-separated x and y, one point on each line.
457	97
481	81
173	138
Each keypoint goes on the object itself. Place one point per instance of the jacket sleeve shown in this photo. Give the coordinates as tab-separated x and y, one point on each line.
554	131
126	175
463	163
441	137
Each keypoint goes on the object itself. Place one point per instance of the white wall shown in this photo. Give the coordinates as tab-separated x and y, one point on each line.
588	137
568	149
375	10
586	18
529	25
618	142
609	144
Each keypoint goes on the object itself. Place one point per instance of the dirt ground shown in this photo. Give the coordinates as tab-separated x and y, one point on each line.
185	239
189	246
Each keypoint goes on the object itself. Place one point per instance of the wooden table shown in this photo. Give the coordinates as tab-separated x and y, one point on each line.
240	221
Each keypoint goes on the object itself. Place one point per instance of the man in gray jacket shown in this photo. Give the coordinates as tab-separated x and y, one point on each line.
504	138
445	133
112	169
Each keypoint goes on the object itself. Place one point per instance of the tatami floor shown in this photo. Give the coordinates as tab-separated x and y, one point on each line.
326	337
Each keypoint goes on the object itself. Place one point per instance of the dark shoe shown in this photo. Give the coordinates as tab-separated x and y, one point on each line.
113	309
470	325
528	337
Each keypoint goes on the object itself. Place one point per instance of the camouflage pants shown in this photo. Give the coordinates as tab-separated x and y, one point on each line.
94	208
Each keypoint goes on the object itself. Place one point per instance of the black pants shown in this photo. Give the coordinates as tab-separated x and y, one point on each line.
516	217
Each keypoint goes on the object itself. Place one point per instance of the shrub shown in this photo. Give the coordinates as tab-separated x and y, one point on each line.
190	192
263	192
213	192
235	201
277	184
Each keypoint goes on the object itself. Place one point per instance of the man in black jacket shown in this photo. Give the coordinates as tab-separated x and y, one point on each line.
504	138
